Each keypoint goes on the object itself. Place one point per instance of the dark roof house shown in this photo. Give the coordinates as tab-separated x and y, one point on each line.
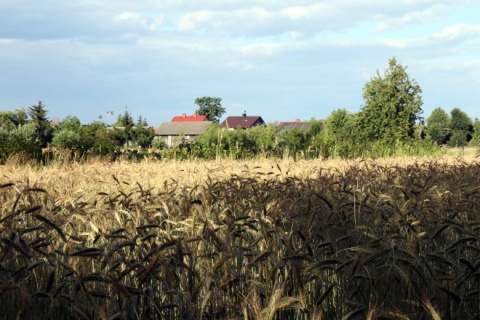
297	125
243	122
192	118
174	132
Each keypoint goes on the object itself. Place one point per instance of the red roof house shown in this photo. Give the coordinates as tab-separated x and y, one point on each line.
243	122
192	118
288	122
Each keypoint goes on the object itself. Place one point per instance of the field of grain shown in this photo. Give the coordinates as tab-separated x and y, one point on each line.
384	239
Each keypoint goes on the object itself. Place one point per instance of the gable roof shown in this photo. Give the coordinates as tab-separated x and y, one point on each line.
193	118
186	128
300	126
242	121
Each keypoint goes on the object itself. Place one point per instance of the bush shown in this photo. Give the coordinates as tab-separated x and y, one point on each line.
19	140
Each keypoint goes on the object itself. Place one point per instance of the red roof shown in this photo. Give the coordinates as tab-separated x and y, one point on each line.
192	118
288	122
242	121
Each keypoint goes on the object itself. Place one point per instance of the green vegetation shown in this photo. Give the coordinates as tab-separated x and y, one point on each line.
42	128
19	140
268	239
438	126
392	107
461	127
389	124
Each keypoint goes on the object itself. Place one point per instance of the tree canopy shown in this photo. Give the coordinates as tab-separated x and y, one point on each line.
10	120
210	107
438	126
43	129
460	121
392	106
461	127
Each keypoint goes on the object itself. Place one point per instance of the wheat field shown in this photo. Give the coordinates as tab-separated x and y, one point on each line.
363	239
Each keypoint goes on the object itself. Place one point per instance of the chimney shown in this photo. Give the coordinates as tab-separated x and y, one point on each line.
244	114
195	115
184	115
297	120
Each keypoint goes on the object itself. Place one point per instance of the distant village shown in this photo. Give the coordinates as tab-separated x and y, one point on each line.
187	127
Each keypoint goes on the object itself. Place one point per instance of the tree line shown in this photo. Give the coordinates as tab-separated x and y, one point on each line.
389	123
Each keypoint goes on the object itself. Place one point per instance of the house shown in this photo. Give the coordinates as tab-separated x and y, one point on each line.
174	133
296	125
192	118
243	122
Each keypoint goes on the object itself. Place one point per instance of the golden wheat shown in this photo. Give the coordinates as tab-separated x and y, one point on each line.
259	239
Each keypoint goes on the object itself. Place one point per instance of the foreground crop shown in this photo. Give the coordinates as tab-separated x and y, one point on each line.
365	241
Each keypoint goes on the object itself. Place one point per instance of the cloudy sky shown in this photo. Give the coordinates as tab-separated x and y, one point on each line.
280	59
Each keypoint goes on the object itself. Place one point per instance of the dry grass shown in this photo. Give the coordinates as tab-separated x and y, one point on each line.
385	239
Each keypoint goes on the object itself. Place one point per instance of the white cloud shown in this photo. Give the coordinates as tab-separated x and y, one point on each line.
129	16
295	13
419	16
250	50
458	32
260	49
194	20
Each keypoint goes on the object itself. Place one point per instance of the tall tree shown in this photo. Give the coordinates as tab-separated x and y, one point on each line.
43	129
392	106
438	126
210	107
125	120
123	128
461	127
460	121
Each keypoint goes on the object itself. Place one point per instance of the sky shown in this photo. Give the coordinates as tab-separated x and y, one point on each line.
278	59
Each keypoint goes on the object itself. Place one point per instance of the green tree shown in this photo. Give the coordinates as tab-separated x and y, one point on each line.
438	126
68	135
461	127
392	106
476	134
296	140
209	144
10	120
96	140
458	139
143	135
339	138
125	120
264	137
316	128
70	123
460	121
210	107
122	131
43	130
66	139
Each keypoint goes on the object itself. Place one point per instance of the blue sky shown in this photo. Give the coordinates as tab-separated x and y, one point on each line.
279	59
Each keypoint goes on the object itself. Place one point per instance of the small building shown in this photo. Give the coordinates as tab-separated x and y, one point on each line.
243	122
174	133
296	125
192	118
